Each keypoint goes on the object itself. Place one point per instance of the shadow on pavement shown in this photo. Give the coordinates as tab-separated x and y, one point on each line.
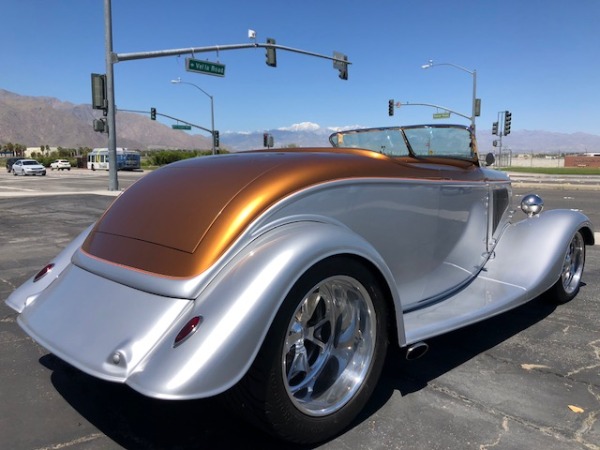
135	421
450	350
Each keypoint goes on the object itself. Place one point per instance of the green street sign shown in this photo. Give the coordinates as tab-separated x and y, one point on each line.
444	115
206	67
181	127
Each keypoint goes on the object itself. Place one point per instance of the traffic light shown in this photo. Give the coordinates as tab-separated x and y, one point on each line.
216	138
495	128
507	120
340	62
271	55
99	100
99	125
391	107
265	139
153	113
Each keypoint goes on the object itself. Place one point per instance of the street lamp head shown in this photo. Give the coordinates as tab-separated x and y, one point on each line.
428	65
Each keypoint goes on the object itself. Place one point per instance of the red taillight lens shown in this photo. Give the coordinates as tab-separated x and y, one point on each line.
189	329
43	272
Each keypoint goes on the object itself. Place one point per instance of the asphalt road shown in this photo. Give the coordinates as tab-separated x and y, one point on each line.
529	379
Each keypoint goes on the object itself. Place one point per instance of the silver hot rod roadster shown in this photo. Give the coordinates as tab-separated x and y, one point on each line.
278	278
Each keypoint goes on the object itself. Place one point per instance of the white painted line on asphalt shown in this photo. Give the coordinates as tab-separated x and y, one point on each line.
18	189
46	194
81	440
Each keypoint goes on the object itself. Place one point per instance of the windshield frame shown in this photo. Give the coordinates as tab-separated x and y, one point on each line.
409	150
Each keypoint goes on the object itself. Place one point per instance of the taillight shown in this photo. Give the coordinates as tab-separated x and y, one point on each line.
188	329
42	273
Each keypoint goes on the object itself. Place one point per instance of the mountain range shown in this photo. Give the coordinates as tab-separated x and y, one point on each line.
35	121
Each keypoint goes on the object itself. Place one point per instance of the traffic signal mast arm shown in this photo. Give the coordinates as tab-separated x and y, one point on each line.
156	113
438	107
185	122
340	61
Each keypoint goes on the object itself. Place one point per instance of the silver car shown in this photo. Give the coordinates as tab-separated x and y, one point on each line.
28	167
280	278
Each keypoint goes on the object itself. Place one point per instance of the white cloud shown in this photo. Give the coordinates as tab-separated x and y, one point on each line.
303	126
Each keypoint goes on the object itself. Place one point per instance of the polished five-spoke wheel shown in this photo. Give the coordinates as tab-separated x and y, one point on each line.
329	345
322	356
567	287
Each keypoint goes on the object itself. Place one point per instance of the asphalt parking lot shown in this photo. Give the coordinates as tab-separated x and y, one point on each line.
529	379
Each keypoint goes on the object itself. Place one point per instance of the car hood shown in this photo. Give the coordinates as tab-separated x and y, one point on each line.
178	220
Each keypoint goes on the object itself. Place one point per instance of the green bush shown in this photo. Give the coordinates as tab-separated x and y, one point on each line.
163	157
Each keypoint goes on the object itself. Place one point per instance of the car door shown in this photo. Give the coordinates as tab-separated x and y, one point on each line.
443	241
461	241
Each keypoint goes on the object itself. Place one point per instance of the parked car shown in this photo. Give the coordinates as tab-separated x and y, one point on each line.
60	164
28	167
281	277
10	162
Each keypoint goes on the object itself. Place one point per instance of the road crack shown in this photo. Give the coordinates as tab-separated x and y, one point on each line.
596	347
504	430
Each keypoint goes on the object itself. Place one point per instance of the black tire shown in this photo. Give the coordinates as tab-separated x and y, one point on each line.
328	340
567	286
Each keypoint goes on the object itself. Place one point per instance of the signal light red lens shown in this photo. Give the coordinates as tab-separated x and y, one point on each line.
188	329
42	273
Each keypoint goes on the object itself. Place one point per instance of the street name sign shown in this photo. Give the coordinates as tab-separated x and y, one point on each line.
444	115
205	67
181	127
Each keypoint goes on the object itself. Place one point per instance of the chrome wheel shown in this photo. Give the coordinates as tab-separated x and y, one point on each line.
329	345
322	356
573	265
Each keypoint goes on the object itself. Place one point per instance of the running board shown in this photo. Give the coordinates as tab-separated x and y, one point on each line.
481	299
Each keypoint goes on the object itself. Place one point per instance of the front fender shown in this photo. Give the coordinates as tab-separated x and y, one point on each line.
530	253
237	309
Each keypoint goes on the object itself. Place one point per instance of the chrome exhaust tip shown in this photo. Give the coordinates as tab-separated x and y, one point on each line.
415	351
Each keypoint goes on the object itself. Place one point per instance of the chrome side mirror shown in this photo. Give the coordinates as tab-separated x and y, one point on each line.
490	159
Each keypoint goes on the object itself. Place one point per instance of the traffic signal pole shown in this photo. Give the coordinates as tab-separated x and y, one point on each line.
340	62
113	179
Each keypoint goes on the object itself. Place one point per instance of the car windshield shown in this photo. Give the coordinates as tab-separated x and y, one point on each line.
31	163
450	141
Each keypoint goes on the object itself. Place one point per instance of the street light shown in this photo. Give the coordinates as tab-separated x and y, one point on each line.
476	103
212	108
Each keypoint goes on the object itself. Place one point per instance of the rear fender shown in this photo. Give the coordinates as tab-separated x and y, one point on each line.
237	309
30	290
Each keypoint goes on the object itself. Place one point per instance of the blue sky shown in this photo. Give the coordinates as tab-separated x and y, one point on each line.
538	59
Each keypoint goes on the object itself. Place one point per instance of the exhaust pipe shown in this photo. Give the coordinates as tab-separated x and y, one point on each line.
415	351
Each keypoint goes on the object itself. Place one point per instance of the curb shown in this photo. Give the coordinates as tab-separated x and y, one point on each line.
556	186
